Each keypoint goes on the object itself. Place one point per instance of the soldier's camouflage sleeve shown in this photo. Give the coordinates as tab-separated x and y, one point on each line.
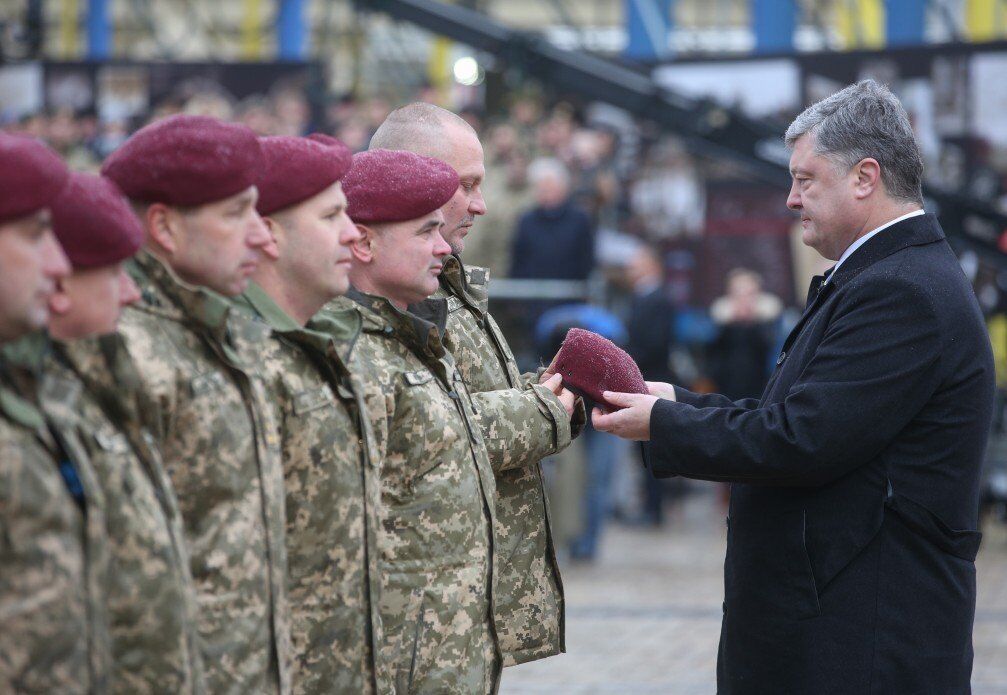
520	428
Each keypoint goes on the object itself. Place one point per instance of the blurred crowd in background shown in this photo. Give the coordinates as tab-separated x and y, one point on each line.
622	213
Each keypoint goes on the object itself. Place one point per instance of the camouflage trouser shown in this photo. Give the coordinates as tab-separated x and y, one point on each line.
437	633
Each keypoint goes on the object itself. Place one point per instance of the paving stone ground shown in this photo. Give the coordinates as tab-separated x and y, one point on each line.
645	618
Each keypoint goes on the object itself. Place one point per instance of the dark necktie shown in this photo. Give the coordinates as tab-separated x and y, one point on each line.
816	286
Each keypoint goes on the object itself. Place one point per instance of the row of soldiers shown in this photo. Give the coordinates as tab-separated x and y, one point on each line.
258	432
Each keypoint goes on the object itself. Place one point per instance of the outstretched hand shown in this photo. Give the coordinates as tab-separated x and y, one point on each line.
632	422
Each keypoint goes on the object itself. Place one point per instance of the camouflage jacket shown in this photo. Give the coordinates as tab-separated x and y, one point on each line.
333	494
435	542
209	413
53	561
528	422
151	599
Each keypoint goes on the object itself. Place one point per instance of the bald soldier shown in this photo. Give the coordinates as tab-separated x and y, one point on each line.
331	476
192	181
87	393
529	608
54	636
435	540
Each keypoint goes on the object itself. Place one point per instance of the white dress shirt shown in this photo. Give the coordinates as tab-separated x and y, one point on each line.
867	237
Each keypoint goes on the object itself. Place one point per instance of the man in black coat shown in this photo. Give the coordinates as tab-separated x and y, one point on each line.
854	508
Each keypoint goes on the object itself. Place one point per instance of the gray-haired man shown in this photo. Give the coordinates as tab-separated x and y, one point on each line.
853	526
523	422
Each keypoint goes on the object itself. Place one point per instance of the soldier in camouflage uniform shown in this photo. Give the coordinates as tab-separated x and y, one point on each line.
192	179
530	608
332	485
87	388
435	540
52	559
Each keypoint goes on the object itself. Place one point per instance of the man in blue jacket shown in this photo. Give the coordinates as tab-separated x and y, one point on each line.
854	507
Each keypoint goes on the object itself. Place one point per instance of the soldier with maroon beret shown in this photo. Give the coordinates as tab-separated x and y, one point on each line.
435	539
331	476
192	181
527	422
54	635
88	397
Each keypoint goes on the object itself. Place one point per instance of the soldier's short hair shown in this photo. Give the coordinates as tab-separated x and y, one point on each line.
418	127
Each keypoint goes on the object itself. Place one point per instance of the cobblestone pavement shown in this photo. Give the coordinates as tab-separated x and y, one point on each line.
646	617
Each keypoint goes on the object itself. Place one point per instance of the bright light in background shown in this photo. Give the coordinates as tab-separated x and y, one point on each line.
467	71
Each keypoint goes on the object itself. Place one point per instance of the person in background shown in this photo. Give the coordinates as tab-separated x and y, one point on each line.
555	239
651	339
747	320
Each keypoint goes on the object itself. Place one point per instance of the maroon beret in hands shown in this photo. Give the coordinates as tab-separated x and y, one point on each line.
31	176
94	223
591	365
186	161
298	168
396	185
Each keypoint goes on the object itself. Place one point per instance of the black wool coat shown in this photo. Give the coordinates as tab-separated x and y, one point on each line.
853	532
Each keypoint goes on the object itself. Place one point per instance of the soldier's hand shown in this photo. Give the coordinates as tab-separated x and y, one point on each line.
550	371
567	398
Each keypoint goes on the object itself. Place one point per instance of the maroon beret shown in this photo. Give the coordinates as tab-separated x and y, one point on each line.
186	161
94	223
396	185
591	364
297	168
31	176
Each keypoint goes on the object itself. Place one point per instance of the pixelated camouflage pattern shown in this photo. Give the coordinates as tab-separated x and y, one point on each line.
151	598
435	540
207	409
333	495
523	422
53	628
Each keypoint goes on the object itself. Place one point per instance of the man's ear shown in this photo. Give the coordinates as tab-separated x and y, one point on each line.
362	248
59	302
163	227
277	239
868	173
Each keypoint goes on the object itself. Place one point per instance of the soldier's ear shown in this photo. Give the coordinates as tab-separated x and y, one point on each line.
362	247
59	301
163	227
277	236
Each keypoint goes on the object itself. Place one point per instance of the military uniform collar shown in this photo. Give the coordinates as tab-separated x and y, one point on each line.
162	290
20	370
267	308
469	284
421	326
335	328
